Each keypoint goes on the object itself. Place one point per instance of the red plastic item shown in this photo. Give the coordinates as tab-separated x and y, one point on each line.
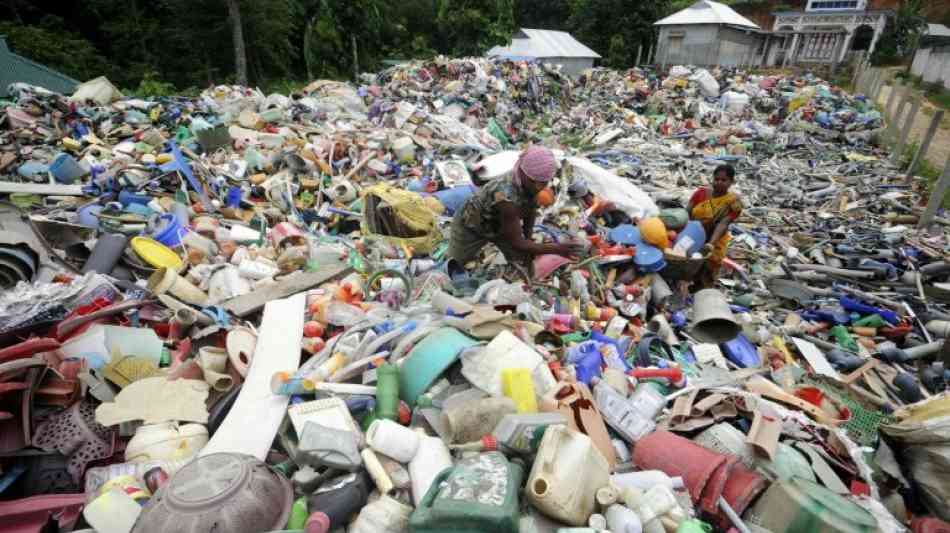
709	501
678	456
741	489
929	525
28	348
32	515
812	395
675	375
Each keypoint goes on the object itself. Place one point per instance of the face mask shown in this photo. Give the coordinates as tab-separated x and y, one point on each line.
544	198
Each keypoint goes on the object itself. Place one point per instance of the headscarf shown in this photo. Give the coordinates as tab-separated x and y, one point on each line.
537	163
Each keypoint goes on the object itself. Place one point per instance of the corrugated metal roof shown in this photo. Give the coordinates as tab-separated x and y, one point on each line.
938	30
543	43
707	12
16	68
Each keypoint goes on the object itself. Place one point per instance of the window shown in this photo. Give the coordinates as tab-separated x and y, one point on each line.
833	4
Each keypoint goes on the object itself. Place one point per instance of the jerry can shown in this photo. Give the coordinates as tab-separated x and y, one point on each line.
566	475
477	495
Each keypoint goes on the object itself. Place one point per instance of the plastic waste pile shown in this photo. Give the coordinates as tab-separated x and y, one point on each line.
234	312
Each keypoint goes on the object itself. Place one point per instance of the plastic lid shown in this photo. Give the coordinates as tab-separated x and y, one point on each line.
317	523
156	254
489	443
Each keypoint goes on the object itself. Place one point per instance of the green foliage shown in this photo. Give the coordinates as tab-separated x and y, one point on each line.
901	35
151	85
616	56
596	22
471	27
56	48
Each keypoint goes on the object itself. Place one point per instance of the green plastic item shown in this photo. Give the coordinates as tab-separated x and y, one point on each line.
800	506
844	339
495	131
871	321
693	526
674	218
298	514
478	494
387	391
575	337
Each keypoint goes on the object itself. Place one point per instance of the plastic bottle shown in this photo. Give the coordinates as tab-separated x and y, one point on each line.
432	458
97	477
376	471
597	521
393	440
387	392
340	498
385	514
516	383
566	474
646	479
471	421
621	519
298	514
620	414
648	401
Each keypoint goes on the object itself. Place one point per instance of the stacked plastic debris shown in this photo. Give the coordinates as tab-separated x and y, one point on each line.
234	312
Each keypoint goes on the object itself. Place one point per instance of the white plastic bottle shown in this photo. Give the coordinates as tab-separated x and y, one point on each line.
621	519
385	514
646	480
393	440
431	458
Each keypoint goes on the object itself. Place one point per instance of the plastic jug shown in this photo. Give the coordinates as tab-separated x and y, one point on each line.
340	498
385	514
620	414
690	239
473	420
431	459
621	519
479	494
516	383
522	433
566	474
326	446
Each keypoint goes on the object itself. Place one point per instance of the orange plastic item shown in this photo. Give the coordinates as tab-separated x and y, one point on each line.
545	197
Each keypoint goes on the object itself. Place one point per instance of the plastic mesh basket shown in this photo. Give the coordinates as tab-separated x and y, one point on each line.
865	417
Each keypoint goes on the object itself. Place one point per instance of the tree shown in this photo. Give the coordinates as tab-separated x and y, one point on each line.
617	54
902	33
237	37
543	14
597	22
471	27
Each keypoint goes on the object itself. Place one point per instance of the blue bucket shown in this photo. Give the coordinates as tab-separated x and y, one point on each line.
66	169
453	198
168	230
89	215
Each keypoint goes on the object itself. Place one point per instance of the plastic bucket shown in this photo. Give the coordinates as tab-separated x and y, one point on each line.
649	258
168	230
691	238
88	215
677	457
713	321
66	169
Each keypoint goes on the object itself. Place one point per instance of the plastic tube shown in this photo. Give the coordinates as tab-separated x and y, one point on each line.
410	340
675	375
387	338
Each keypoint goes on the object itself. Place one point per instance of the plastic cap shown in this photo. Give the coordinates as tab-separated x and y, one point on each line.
489	443
317	523
677	482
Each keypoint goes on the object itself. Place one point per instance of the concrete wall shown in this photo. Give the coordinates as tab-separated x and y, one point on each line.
571	66
933	64
706	45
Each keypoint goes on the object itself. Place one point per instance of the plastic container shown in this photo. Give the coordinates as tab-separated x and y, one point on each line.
621	519
383	515
478	494
653	232
393	440
649	258
454	197
648	401
522	433
742	352
321	445
799	506
566	474
620	414
473	420
587	360
166	441
113	512
387	392
384	484
166	280
516	383
432	458
168	230
690	239
66	169
339	499
645	480
106	253
99	476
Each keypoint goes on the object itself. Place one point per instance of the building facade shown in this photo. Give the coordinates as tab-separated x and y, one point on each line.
826	31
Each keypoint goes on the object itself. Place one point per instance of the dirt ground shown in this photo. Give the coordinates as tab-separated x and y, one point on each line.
939	151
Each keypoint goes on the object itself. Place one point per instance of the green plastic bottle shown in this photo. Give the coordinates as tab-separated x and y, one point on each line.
387	392
298	514
871	321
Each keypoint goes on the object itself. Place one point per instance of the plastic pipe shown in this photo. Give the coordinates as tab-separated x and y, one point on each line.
674	375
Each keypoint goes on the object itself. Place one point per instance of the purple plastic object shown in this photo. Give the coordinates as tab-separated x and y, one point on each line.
587	360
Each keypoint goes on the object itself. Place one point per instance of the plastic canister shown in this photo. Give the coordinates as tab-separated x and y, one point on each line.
473	420
690	239
340	498
620	414
621	519
566	474
454	197
646	479
432	458
393	440
478	494
385	514
66	169
387	391
168	230
516	383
